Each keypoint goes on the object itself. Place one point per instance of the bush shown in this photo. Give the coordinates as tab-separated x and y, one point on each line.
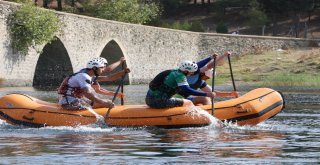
31	26
222	28
123	10
197	27
188	26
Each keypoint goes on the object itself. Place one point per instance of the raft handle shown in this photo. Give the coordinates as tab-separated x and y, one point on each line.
29	118
243	111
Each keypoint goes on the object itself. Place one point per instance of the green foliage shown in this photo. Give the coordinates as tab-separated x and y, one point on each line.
70	9
255	16
31	26
222	28
171	7
123	10
197	27
188	26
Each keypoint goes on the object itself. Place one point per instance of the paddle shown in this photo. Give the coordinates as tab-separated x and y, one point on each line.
234	86
122	100
117	91
212	82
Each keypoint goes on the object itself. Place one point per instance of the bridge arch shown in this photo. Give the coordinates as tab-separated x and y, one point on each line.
112	52
52	66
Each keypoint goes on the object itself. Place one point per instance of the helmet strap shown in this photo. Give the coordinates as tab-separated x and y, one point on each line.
95	71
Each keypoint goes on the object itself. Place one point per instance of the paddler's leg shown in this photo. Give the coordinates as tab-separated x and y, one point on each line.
187	103
201	100
103	104
167	102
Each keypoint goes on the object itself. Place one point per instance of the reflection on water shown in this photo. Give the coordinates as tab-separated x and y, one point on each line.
291	137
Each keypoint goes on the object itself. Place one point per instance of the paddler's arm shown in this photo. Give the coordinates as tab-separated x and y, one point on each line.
102	91
89	93
190	91
112	66
219	59
203	62
113	77
208	88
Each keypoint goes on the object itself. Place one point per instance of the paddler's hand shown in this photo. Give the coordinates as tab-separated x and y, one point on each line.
122	60
127	70
211	94
108	104
214	55
120	95
227	53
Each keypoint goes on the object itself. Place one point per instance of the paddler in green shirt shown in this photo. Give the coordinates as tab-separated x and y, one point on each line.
170	82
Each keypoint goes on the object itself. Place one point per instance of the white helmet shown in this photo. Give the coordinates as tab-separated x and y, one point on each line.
103	60
95	62
209	73
188	66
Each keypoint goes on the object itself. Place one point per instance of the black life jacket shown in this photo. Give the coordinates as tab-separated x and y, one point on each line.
158	84
158	81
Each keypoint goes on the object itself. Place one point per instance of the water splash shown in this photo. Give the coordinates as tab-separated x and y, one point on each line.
197	111
100	119
264	126
84	129
8	130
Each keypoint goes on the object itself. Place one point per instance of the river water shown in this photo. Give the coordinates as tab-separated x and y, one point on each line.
291	137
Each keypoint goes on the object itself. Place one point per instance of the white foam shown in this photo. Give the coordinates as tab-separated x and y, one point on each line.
214	122
92	128
100	119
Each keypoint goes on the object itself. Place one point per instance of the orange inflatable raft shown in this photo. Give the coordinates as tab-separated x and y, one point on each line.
250	109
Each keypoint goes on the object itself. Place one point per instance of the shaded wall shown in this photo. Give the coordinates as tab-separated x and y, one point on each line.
52	66
112	52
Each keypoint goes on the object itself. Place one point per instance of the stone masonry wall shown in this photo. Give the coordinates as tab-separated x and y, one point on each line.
148	50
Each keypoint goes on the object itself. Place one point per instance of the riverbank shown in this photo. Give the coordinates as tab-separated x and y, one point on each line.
283	68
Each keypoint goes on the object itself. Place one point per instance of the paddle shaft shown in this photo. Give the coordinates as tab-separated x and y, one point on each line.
122	100
115	95
212	83
234	86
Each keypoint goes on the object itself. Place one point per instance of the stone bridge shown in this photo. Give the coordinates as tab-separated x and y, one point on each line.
148	50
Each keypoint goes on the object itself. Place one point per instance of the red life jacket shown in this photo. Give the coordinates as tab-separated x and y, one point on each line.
63	88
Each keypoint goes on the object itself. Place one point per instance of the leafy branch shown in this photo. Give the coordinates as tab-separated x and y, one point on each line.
31	26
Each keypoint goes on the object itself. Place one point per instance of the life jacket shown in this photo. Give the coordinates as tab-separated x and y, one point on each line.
64	87
158	84
159	80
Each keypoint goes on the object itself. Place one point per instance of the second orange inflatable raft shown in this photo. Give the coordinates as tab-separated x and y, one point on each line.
250	109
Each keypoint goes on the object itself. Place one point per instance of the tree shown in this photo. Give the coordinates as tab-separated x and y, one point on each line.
275	8
297	8
125	11
255	16
59	5
222	28
293	8
31	26
45	4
